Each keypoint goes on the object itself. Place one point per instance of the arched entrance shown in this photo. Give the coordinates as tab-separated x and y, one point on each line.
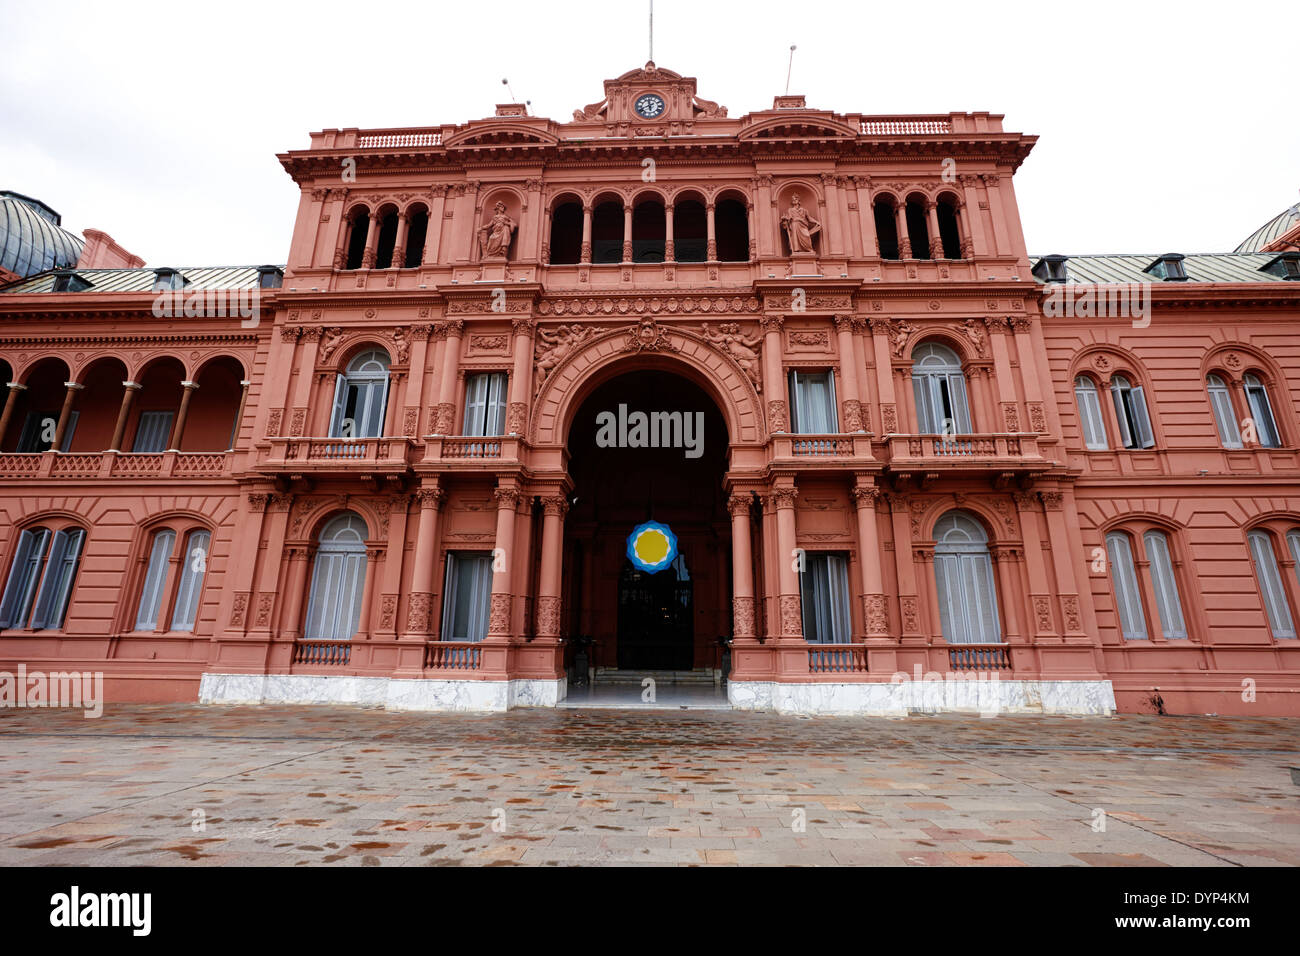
648	445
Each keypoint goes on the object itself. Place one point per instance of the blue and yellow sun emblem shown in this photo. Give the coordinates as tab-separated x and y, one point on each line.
652	546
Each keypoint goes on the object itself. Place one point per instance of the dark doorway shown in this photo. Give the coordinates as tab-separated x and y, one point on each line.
671	619
656	630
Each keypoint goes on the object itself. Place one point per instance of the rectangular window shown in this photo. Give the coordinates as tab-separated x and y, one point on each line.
812	403
56	586
146	619
485	404
1168	604
1128	600
824	594
194	564
1131	412
152	432
466	596
1262	412
1276	605
15	608
968	611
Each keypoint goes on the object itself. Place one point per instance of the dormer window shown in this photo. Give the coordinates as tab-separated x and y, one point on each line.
1051	269
1168	267
168	280
269	277
1284	266
71	282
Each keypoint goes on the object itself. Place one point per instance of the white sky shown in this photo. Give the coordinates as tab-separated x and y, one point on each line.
1164	127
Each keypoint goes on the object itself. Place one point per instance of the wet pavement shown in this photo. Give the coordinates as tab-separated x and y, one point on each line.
293	786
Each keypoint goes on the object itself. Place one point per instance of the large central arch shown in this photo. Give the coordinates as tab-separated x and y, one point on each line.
647	345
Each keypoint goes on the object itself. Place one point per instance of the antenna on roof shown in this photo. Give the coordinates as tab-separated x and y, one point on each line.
788	69
652	31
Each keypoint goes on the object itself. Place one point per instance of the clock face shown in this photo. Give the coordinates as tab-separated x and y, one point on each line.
650	106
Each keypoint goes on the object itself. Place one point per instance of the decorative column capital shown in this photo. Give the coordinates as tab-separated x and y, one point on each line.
771	323
555	505
866	495
430	497
738	505
506	497
523	325
785	497
843	323
1051	500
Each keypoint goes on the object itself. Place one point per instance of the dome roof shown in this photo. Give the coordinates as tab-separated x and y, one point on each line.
1271	231
31	237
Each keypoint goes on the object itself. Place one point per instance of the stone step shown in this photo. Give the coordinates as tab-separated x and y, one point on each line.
609	675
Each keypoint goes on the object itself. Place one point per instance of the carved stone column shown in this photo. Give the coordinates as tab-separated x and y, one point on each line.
586	234
507	498
790	607
851	420
711	226
772	383
69	398
875	610
742	570
670	254
446	414
178	426
554	508
521	377
419	614
11	402
932	218
900	224
372	242
627	232
399	246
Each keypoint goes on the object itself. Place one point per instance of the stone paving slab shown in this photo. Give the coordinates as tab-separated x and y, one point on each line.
294	786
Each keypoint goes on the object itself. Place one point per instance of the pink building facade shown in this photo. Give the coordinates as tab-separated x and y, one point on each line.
891	448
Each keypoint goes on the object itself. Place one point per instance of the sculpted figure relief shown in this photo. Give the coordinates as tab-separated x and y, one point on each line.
496	232
744	349
799	226
899	337
553	347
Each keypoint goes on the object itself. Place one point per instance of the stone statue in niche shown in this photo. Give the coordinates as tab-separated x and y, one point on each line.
401	346
496	232
743	349
799	226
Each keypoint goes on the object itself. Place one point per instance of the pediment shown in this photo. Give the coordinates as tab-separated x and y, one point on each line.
493	134
797	126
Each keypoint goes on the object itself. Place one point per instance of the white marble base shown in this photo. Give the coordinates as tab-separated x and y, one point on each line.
389	693
986	697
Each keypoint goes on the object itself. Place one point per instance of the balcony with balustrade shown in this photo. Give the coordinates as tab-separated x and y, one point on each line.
1007	452
114	465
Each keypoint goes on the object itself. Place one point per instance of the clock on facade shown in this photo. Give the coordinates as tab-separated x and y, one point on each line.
650	106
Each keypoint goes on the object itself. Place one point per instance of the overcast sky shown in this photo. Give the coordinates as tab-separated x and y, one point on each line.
1164	127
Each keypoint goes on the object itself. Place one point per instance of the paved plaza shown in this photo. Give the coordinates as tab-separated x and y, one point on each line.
296	786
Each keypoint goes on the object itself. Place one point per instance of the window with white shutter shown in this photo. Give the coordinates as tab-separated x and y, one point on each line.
939	388
485	404
194	566
56	584
1090	420
466	596
361	397
963	572
1131	412
1271	588
146	618
1225	419
1261	410
1128	598
152	432
1168	603
24	573
338	580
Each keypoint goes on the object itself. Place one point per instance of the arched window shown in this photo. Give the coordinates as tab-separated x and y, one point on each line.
41	577
607	233
157	589
338	580
1225	419
648	231
387	240
918	230
949	232
361	397
963	577
731	226
824	596
1169	605
417	231
1131	412
1090	420
566	234
1128	597
886	228
1276	606
940	391
358	233
691	231
1261	410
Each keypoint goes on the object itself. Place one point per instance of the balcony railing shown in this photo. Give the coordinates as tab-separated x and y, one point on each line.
335	454
452	656
322	653
786	445
837	659
961	451
392	140
111	464
471	448
979	657
903	127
